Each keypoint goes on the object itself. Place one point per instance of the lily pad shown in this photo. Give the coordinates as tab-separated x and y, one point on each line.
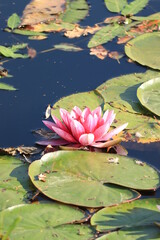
135	233
15	186
149	95
138	213
44	221
145	49
77	177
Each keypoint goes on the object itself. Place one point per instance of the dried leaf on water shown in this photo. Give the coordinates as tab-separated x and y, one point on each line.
99	52
38	11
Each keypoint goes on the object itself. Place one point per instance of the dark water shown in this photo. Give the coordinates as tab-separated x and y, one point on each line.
53	75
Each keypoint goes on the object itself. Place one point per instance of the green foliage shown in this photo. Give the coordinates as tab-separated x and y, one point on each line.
44	221
76	10
86	174
115	5
149	95
10	51
15	185
134	7
13	21
145	49
4	86
135	233
138	213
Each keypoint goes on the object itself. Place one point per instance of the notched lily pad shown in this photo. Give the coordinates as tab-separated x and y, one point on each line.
77	177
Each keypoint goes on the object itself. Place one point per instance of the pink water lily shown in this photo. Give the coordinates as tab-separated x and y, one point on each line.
83	128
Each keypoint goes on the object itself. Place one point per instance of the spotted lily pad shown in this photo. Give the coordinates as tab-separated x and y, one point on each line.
78	177
44	221
149	95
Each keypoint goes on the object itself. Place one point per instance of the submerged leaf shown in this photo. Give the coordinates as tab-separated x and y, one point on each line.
67	47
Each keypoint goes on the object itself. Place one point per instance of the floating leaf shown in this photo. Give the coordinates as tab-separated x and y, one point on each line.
15	186
115	5
99	52
28	33
10	51
149	95
76	10
135	233
134	7
155	16
77	177
145	50
67	47
109	32
137	213
4	86
13	21
52	27
40	11
45	221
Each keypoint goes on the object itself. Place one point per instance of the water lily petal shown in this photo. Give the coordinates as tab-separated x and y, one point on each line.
49	124
65	135
53	142
110	117
97	111
86	139
59	123
76	113
113	132
105	115
102	130
77	129
90	123
84	115
65	117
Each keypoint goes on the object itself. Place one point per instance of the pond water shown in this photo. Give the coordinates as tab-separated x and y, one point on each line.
50	76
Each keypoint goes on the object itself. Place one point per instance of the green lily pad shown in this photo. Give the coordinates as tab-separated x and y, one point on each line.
149	95
15	186
138	213
44	221
90	99
145	49
115	5
135	233
77	177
